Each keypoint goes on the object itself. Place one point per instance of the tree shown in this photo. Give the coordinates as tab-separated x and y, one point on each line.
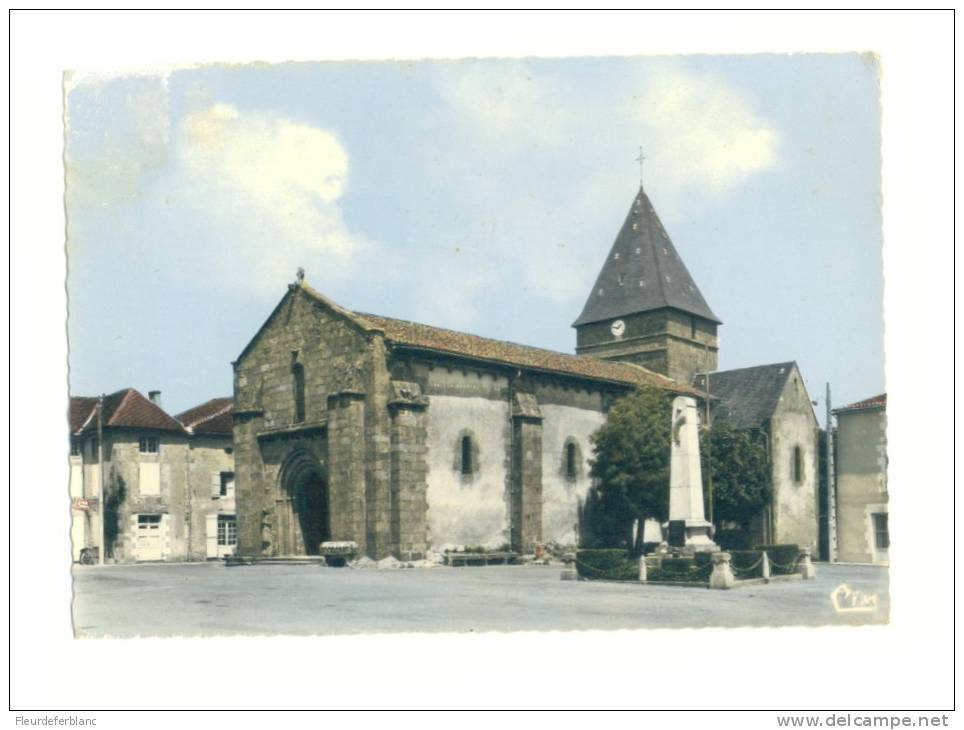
631	468
741	480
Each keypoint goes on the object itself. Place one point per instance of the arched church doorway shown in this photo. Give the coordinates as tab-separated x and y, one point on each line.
304	519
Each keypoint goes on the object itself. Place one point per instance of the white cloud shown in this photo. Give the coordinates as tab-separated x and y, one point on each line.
273	186
703	133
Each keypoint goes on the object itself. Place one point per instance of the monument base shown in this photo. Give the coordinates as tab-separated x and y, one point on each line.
698	538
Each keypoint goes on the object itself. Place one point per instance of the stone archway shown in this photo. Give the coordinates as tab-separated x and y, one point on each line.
304	518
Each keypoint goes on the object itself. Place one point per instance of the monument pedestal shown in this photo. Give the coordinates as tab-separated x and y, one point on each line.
698	537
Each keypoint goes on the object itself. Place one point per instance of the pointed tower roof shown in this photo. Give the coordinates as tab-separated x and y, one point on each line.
643	272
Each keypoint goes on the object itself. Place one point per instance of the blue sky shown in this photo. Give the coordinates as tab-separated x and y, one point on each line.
479	195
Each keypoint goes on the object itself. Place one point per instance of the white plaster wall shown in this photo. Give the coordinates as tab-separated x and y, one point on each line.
466	511
561	496
794	503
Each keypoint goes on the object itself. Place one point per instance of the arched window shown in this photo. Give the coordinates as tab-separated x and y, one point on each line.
570	460
298	371
466	461
797	464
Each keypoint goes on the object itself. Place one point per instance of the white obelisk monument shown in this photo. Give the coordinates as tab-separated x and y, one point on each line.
686	478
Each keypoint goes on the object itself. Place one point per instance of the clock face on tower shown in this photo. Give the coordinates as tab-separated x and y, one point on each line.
618	327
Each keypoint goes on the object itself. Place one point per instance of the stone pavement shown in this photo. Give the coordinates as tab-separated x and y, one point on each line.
204	599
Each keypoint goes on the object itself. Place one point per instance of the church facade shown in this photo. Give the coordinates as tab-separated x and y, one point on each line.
407	439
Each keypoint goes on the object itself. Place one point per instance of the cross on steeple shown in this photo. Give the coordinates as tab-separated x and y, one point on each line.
641	159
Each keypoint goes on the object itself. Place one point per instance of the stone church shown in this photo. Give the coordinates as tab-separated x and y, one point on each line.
407	438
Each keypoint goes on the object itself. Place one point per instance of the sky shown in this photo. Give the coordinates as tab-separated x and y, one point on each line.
480	195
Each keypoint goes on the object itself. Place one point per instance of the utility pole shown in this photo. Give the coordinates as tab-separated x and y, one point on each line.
831	487
100	480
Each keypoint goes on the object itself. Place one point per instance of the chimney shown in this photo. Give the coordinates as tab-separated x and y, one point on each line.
155	396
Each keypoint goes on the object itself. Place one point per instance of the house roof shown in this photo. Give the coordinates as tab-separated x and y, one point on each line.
214	417
877	401
126	408
436	339
643	272
746	397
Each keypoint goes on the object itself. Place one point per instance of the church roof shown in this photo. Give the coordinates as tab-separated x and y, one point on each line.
643	272
746	397
436	339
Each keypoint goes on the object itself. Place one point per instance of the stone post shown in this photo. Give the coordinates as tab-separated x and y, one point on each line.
722	576
765	566
526	477
804	566
642	568
346	467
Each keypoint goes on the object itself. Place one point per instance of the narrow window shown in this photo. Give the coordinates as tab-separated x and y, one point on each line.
571	461
299	391
881	533
467	455
797	464
693	327
148	444
622	279
227	482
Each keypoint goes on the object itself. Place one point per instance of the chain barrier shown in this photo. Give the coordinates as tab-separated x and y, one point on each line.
749	569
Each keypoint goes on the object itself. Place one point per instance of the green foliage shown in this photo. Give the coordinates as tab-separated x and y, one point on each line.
737	463
783	558
631	466
607	564
694	569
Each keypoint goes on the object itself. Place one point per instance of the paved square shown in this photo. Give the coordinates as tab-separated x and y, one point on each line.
205	599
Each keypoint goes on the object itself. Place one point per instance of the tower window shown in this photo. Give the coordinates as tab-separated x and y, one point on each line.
797	464
298	371
693	327
622	279
571	460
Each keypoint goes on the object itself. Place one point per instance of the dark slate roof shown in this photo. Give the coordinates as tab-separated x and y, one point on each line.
747	397
643	272
460	344
126	409
215	417
877	401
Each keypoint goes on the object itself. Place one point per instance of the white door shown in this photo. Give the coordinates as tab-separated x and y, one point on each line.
149	543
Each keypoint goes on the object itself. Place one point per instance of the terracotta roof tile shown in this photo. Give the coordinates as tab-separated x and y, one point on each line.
126	409
413	334
215	417
81	410
877	401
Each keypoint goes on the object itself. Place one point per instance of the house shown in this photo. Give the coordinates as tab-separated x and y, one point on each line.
168	481
861	481
771	402
407	438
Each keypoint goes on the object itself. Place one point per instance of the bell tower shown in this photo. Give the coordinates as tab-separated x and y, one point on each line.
645	307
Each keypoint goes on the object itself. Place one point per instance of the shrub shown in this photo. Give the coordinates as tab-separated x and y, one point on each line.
606	564
783	558
683	570
746	564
